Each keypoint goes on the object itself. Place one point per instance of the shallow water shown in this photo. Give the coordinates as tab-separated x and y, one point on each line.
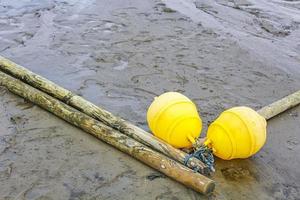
122	54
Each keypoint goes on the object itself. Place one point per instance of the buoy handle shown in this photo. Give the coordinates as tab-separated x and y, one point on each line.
208	143
191	139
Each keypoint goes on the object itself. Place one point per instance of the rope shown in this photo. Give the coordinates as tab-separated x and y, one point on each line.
203	153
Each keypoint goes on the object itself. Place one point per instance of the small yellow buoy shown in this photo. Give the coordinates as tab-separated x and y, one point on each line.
238	132
173	118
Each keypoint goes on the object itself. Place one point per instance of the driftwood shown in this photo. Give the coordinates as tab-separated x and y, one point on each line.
109	135
280	106
98	113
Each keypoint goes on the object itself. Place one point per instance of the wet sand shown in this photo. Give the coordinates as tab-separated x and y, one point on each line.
120	54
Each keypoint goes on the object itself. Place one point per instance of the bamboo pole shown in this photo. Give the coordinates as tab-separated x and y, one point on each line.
109	135
280	106
99	113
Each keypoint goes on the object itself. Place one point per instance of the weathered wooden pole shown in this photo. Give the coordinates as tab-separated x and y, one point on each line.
109	135
99	113
280	106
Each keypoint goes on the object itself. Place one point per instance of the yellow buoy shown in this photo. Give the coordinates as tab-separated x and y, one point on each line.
238	132
173	118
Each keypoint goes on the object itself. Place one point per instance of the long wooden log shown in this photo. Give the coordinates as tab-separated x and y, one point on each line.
99	113
109	135
280	106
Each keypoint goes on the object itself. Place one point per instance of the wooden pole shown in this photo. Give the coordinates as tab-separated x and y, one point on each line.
99	113
109	135
280	106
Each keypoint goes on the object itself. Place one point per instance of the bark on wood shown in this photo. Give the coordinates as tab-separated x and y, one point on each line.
109	135
280	106
98	113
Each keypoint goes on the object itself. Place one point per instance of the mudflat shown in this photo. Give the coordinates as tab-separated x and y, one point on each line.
120	55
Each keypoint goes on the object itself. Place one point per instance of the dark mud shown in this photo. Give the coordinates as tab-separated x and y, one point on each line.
120	54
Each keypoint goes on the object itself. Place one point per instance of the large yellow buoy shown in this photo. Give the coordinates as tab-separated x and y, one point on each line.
173	118
238	132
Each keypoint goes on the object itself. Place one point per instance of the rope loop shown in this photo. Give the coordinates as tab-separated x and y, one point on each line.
203	153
